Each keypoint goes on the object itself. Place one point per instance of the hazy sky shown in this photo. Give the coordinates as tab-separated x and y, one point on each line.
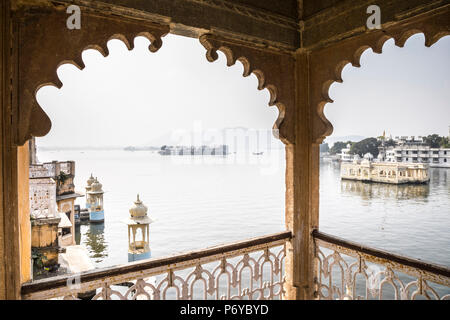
138	97
405	91
134	97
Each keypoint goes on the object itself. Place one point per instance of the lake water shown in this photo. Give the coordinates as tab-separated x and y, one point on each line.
203	201
411	220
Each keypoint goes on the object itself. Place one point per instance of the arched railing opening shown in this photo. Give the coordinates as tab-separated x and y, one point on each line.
155	124
378	188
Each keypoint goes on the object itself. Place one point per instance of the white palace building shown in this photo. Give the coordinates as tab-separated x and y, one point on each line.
411	150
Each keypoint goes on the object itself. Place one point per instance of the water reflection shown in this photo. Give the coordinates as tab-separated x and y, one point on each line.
77	234
369	191
396	218
440	175
94	241
410	220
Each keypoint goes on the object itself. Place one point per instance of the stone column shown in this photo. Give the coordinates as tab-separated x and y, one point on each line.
9	222
15	230
302	192
23	185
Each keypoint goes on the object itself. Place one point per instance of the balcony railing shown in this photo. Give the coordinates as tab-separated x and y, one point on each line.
348	270
251	269
254	269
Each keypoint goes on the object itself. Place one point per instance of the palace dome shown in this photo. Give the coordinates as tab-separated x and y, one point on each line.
138	214
138	209
96	187
90	181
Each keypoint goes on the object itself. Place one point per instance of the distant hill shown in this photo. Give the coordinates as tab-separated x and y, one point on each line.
353	138
77	148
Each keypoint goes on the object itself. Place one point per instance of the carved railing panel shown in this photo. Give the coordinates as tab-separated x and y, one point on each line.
346	272
252	269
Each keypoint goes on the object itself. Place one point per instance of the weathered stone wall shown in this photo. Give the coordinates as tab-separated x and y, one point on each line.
53	170
43	198
43	170
45	233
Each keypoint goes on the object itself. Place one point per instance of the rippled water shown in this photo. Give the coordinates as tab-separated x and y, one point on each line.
412	220
196	201
200	202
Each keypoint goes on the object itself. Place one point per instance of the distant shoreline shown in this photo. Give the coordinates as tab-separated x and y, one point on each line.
83	148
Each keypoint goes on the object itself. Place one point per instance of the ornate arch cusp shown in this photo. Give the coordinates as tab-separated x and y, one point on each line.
43	43
326	64
273	69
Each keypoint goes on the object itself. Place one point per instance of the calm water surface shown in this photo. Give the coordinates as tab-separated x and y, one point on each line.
199	202
412	220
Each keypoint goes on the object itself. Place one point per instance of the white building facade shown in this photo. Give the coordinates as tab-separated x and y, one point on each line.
415	151
345	155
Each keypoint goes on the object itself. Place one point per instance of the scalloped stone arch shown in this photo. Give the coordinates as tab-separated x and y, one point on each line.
39	54
39	63
329	62
272	68
155	45
211	56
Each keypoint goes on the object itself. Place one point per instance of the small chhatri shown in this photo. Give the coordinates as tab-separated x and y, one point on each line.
89	182
138	232
95	194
